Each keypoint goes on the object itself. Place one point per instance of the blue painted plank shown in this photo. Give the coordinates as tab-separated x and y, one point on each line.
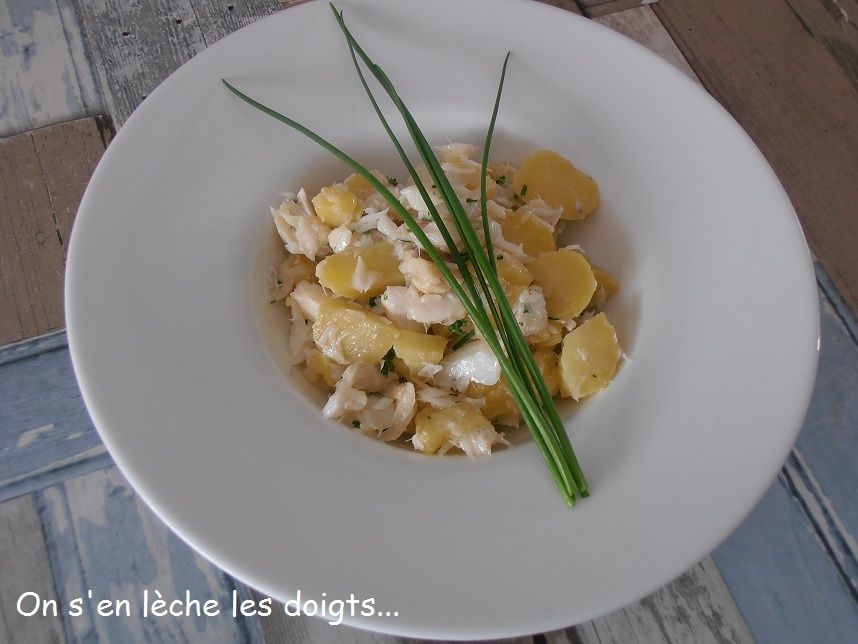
45	432
791	565
101	537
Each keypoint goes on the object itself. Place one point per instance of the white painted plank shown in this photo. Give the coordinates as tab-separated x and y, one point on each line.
100	536
25	568
45	76
136	46
697	607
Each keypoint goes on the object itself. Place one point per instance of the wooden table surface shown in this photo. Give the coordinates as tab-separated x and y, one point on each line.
72	71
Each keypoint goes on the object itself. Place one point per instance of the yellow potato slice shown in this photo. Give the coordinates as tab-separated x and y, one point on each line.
434	426
513	272
380	268
500	405
337	205
589	359
417	350
546	361
347	333
567	282
321	370
558	183
533	234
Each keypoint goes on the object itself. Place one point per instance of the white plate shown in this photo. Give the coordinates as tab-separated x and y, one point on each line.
717	313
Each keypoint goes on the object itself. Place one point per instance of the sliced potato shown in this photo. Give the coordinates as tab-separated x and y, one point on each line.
558	183
337	205
534	235
347	333
546	361
500	405
379	269
419	349
589	359
550	336
321	370
513	271
567	282
434	427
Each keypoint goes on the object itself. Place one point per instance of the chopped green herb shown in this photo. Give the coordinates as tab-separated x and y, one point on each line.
278	282
469	200
373	301
500	256
356	424
524	190
392	181
272	301
526	310
555	319
501	180
386	361
463	340
458	326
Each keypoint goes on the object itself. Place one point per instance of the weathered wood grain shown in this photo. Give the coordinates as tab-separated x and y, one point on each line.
137	45
697	607
569	5
42	178
46	435
45	75
100	537
25	568
31	255
642	26
835	24
596	8
797	104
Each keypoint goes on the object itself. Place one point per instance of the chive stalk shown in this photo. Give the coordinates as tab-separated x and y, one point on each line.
480	288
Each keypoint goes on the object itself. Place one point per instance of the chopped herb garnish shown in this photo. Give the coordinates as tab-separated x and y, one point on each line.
478	287
387	360
526	310
272	301
458	326
463	340
356	424
373	301
500	257
469	200
392	181
278	282
524	190
555	319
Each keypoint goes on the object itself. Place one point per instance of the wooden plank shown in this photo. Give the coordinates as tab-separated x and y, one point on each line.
797	104
46	75
42	177
835	24
45	432
68	154
569	5
31	254
135	46
100	536
696	607
596	8
644	27
26	569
